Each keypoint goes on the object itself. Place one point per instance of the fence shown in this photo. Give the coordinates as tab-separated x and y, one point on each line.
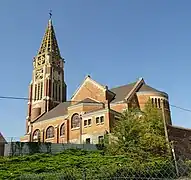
24	148
148	171
90	167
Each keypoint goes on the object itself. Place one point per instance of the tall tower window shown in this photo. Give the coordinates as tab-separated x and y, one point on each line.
56	93
59	91
35	92
41	89
46	80
38	91
53	90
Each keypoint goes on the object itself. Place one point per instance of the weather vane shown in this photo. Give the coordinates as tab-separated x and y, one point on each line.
50	14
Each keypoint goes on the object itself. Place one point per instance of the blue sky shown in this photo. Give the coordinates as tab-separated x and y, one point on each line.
115	42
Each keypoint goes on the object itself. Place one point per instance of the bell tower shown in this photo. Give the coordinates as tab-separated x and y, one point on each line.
47	88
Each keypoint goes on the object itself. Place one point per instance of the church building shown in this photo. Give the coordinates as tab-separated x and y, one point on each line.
91	111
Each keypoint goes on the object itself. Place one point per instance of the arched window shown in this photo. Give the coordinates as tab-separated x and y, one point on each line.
36	135
62	129
156	102
152	101
50	132
75	121
159	102
166	105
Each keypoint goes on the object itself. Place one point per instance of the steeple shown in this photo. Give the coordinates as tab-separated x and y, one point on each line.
47	88
49	42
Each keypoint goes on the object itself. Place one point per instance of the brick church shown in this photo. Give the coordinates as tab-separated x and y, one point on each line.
93	107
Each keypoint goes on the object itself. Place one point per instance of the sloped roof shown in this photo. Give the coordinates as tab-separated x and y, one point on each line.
122	91
59	110
62	109
2	139
145	87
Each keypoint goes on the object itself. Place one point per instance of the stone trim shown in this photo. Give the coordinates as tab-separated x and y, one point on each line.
52	119
117	103
153	93
139	83
82	104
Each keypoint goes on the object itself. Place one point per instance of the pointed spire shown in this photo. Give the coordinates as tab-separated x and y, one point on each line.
49	42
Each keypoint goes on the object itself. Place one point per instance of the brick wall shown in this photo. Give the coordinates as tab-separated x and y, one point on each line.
119	107
2	145
90	90
182	141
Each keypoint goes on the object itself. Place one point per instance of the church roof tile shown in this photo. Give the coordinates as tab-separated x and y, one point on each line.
122	91
59	110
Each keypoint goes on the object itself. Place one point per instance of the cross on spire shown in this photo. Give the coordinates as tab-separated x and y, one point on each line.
50	14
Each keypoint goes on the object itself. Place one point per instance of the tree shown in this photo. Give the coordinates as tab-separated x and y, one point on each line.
139	133
153	139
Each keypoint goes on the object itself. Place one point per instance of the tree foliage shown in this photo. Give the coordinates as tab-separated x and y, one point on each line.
139	133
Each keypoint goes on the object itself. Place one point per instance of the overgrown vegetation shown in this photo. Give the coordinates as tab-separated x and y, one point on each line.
136	148
78	163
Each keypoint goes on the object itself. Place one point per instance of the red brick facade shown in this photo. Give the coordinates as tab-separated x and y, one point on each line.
96	114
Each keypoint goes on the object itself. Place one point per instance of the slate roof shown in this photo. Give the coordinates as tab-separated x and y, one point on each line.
59	110
145	87
122	91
